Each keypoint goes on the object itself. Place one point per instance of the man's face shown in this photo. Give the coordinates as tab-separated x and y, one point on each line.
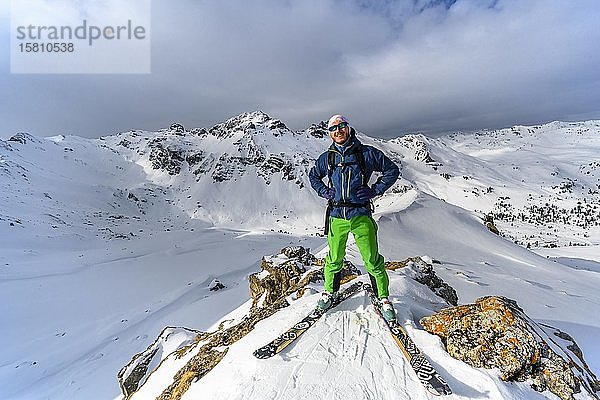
340	135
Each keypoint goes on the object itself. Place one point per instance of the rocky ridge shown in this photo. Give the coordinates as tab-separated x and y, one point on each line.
174	149
492	333
284	278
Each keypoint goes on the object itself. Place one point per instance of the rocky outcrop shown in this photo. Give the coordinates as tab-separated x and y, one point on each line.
170	157
199	131
280	273
417	144
4	145
423	272
249	152
137	371
247	122
177	128
215	285
273	165
23	138
166	158
318	130
197	358
494	332
488	221
287	273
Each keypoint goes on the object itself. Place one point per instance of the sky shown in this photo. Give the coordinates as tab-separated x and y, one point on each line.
392	67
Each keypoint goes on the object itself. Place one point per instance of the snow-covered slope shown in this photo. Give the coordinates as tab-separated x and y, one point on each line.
541	183
105	242
249	172
96	258
350	354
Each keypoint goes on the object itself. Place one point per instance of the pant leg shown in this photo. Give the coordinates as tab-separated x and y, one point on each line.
364	230
336	238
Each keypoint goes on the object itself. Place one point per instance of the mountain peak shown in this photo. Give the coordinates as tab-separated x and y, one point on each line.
23	138
249	122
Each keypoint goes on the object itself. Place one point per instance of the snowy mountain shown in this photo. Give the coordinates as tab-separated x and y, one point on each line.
213	173
107	241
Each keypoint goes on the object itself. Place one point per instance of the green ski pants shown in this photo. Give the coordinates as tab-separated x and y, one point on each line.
364	230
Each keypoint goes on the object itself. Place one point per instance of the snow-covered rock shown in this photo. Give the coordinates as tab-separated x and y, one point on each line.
495	332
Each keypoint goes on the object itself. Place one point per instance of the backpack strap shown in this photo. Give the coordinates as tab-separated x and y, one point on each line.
330	164
360	159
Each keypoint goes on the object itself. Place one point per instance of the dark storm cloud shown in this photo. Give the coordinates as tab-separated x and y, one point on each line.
392	67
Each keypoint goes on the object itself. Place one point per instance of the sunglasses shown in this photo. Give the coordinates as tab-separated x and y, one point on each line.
341	125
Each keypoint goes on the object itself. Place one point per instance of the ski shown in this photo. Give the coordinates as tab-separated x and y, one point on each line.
289	336
429	377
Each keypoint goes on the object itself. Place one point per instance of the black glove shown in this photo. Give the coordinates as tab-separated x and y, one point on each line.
365	193
329	194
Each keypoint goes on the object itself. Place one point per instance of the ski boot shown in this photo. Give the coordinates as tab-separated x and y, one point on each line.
325	301
387	310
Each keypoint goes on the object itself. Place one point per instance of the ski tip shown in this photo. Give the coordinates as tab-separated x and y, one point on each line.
263	353
257	354
442	390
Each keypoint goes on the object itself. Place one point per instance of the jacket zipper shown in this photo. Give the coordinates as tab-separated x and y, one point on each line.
348	185
342	185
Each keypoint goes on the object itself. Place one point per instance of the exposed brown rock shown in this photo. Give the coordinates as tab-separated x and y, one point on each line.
496	333
492	228
288	272
493	332
135	373
285	274
282	275
130	384
394	265
207	357
196	368
488	221
577	362
274	281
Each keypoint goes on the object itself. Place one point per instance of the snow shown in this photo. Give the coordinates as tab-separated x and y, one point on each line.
89	276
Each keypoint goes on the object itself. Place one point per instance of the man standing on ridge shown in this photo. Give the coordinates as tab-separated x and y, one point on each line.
349	164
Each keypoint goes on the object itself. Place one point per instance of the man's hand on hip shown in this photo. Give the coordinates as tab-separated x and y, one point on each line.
365	193
329	194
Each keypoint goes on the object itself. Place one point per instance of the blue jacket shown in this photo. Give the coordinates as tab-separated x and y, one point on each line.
346	179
